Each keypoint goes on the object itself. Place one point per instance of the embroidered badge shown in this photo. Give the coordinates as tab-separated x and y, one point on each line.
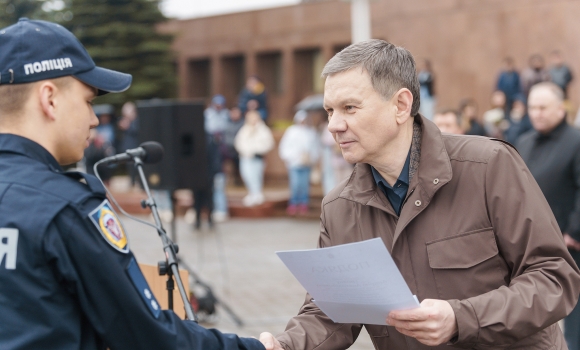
110	226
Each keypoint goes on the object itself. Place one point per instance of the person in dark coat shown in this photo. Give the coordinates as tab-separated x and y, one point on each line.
468	112
129	126
203	195
508	82
254	90
519	121
560	73
427	89
552	153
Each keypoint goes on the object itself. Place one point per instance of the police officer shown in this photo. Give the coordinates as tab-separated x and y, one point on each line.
67	277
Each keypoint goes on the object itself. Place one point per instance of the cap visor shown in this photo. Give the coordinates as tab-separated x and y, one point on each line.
105	80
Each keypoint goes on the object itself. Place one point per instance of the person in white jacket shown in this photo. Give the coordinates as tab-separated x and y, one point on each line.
299	149
252	142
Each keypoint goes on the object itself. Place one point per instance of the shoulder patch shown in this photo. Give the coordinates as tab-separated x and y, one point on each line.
110	226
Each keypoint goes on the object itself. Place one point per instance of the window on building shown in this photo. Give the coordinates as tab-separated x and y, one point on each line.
233	78
317	67
308	67
269	66
199	78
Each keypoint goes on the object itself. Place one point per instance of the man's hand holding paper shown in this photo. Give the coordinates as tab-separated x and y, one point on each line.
432	324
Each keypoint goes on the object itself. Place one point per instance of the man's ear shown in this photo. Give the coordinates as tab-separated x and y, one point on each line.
563	111
403	100
48	93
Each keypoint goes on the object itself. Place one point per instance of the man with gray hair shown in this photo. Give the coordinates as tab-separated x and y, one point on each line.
462	217
552	153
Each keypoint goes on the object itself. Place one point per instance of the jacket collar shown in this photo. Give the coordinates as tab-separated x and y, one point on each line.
10	143
434	163
433	172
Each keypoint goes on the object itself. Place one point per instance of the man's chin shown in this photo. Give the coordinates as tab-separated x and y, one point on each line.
350	158
70	161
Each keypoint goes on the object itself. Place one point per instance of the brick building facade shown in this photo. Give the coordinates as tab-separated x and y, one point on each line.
287	46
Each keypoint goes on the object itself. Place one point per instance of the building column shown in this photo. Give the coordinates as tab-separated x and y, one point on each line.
250	63
183	77
360	14
217	75
288	82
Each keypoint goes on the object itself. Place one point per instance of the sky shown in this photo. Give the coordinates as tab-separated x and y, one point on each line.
200	8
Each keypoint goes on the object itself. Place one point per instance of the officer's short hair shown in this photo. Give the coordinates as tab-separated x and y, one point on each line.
390	67
14	96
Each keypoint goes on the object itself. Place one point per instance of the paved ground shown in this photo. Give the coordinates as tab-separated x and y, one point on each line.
238	260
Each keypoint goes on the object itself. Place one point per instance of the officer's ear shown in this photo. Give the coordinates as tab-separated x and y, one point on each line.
49	94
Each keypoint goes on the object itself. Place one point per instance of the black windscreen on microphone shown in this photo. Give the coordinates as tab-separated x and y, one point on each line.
153	152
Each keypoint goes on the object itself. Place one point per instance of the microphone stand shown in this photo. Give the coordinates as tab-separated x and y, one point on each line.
170	266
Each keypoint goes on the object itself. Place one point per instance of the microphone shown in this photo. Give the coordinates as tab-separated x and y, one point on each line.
149	152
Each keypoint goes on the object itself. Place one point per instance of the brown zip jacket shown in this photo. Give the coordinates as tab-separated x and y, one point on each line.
474	230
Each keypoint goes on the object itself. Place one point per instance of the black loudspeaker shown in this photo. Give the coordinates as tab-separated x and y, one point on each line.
179	127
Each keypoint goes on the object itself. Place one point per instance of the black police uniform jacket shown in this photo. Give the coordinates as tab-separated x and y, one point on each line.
62	285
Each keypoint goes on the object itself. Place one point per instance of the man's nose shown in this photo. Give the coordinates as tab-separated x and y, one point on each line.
94	121
336	123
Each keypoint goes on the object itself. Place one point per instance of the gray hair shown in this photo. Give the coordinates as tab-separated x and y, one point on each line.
390	67
555	89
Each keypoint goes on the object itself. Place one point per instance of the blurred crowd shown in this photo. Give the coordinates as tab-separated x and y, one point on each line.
239	139
113	135
508	118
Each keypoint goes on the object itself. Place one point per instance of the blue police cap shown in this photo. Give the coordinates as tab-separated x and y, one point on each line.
38	50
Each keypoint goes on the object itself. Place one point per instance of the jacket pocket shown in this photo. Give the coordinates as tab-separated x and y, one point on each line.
467	264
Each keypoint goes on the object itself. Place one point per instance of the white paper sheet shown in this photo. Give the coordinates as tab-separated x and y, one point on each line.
352	283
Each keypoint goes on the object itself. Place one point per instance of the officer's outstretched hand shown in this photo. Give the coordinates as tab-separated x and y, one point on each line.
432	324
270	343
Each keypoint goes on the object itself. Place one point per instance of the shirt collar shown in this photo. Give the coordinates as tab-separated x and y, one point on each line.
403	177
10	143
